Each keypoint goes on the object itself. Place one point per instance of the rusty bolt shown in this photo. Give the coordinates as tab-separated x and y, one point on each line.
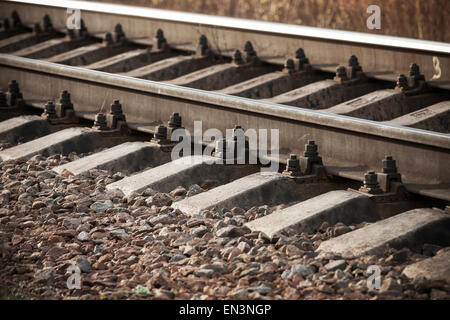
293	164
402	81
64	100
37	28
389	165
175	120
355	66
13	87
203	41
302	60
3	103
248	47
16	19
14	92
118	28
160	39
311	149
47	23
159	34
289	65
249	51
70	33
203	45
65	103
119	35
100	121
161	132
6	24
116	108
300	54
83	29
65	97
341	72
414	70
353	61
370	179
108	38
237	57
50	109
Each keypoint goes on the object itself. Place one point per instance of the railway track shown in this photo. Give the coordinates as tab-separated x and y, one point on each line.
362	124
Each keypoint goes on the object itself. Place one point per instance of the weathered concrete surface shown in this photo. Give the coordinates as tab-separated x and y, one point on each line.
435	268
323	94
220	76
409	229
23	128
77	139
307	216
433	118
270	84
89	54
249	191
52	47
129	60
384	105
184	171
21	41
127	157
171	68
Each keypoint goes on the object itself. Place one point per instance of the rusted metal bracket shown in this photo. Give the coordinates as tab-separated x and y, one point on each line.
386	186
307	168
413	84
350	75
112	124
61	112
11	103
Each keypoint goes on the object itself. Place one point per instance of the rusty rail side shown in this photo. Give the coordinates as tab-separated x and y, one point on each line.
423	157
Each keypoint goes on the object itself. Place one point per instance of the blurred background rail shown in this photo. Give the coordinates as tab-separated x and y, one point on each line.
428	20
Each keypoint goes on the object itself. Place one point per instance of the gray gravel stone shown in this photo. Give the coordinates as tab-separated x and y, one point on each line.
84	265
301	269
83	236
100	206
230	232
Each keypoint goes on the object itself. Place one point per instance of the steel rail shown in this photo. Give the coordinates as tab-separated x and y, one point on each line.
272	41
349	146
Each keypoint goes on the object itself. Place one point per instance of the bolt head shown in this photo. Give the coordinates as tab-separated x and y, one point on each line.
414	69
118	28
353	61
341	72
237	57
203	41
289	64
248	46
159	34
300	54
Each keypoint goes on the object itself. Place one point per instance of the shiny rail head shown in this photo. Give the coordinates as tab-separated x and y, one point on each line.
251	25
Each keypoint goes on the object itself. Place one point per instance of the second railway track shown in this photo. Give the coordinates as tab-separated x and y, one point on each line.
363	131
